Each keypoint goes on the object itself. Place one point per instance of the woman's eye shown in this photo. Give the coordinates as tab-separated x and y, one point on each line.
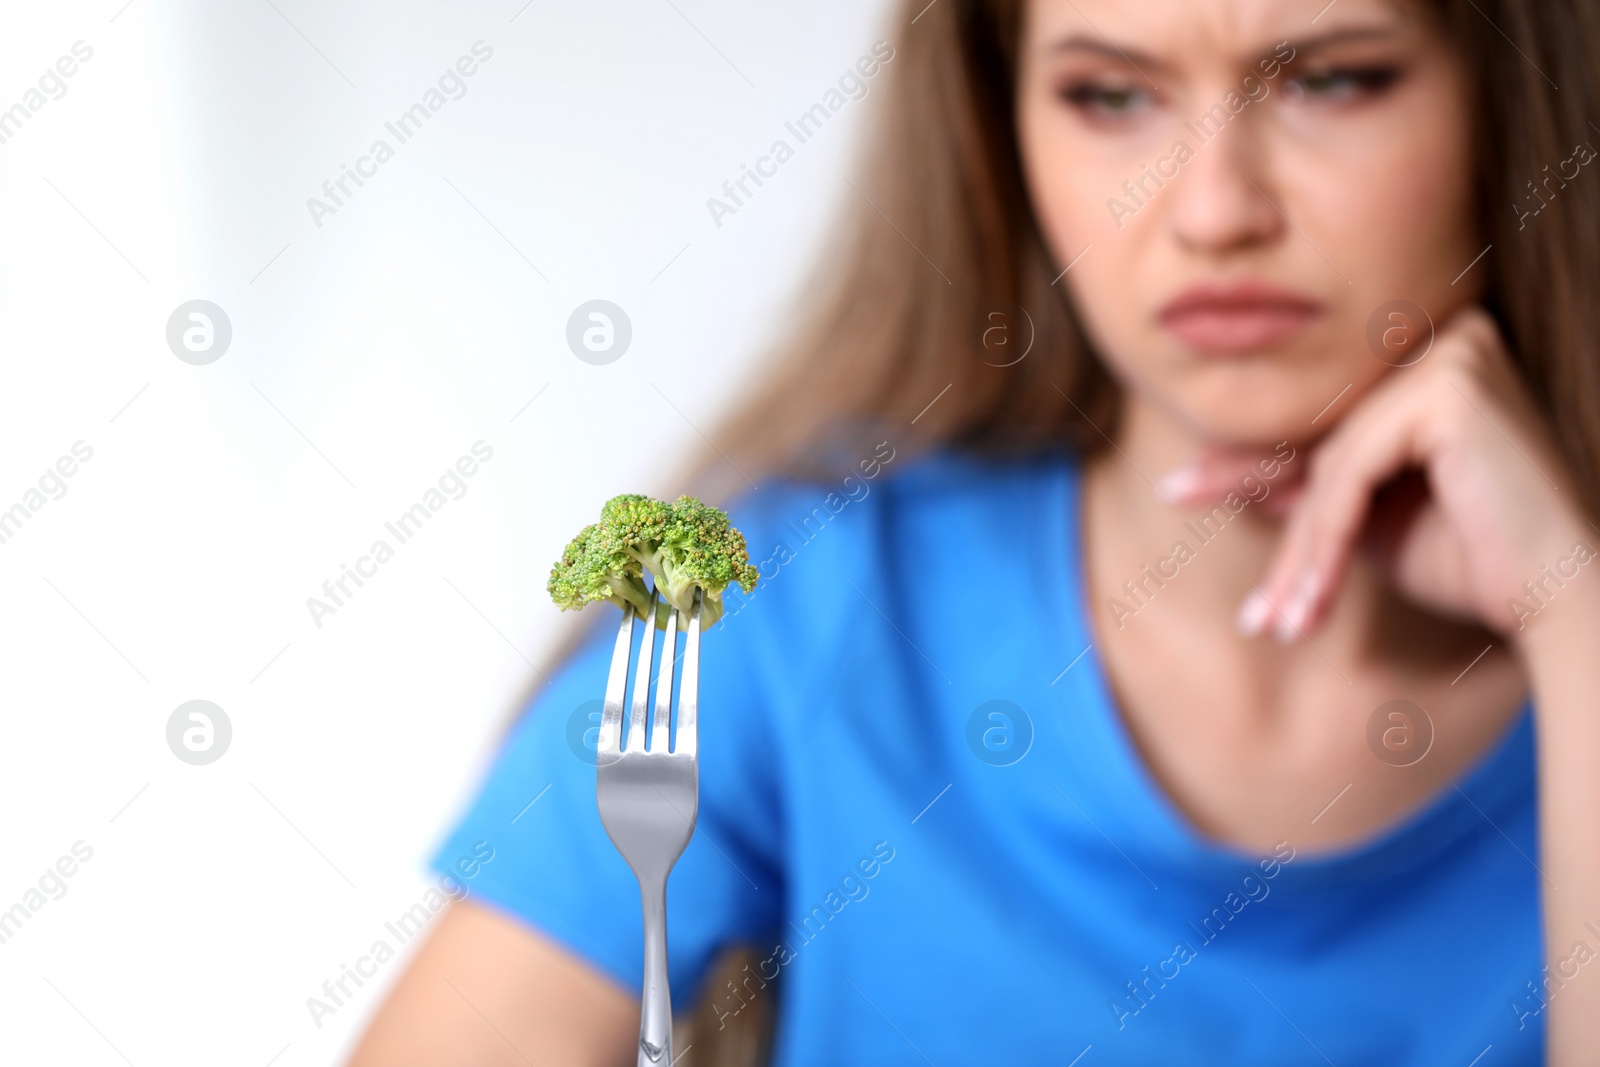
1099	100
1339	85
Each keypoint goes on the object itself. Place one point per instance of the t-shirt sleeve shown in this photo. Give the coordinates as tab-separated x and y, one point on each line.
553	866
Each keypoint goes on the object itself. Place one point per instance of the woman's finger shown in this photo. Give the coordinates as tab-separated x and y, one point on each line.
1373	445
1267	478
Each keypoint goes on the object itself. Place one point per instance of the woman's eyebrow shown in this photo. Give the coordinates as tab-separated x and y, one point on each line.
1344	35
1102	45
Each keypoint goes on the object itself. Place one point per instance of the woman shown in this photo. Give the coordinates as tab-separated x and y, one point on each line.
1164	680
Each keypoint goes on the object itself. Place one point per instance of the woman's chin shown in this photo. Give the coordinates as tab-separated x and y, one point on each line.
1266	410
1258	427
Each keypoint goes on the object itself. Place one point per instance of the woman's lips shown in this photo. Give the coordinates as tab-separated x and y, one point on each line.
1238	319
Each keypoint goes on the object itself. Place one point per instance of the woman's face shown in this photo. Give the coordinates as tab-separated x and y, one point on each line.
1241	186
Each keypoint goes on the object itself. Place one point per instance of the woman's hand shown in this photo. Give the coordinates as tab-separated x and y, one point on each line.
1446	477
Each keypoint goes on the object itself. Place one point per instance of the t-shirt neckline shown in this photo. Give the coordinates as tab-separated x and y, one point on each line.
1166	831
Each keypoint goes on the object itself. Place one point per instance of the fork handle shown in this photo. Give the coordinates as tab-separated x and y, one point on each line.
655	1017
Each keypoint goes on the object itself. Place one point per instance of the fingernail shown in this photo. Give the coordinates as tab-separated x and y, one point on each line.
1297	609
1176	484
1252	615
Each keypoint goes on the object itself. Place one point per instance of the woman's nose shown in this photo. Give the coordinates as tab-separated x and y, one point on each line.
1225	200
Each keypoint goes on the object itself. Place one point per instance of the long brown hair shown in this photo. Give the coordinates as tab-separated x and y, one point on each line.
938	250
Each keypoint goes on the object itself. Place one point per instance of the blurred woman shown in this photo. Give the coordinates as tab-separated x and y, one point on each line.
1177	619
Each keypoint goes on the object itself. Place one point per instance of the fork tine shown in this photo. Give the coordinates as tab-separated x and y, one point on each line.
689	688
610	741
663	719
641	678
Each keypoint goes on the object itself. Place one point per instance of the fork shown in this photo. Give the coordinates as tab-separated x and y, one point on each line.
649	798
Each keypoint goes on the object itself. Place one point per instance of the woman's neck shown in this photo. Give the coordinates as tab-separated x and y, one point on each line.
1201	560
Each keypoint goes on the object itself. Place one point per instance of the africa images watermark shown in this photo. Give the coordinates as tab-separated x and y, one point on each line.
407	925
52	486
852	490
1210	124
1137	996
1551	580
402	128
51	84
853	887
852	85
1581	155
51	886
1565	970
402	528
1204	530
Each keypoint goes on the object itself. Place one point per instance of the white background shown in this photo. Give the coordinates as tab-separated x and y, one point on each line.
367	355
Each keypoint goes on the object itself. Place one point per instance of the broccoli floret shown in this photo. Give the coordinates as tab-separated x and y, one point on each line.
700	549
683	546
594	566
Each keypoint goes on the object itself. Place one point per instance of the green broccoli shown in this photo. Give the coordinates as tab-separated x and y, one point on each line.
683	546
593	567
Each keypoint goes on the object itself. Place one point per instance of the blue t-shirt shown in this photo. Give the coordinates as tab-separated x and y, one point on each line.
918	801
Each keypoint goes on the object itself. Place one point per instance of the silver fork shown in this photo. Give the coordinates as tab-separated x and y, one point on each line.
649	797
